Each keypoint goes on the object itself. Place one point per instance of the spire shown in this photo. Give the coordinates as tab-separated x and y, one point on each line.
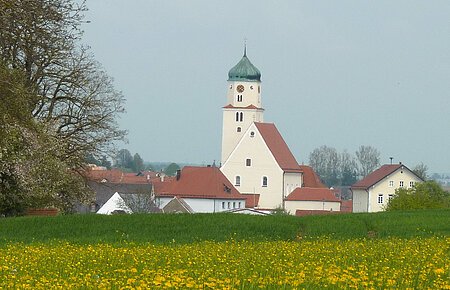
245	47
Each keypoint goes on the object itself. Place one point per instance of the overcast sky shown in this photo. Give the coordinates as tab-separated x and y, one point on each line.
336	73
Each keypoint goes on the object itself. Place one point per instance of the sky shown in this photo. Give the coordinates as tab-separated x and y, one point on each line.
335	73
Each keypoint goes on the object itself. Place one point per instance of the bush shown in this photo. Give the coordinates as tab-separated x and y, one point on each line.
425	195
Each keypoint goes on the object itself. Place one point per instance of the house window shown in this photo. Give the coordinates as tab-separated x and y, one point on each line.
239	205
229	204
234	204
380	198
264	181
411	183
239	98
391	183
401	183
239	129
237	181
223	204
390	196
248	162
241	116
252	134
237	116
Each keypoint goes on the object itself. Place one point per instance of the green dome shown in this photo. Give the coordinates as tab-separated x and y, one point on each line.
244	71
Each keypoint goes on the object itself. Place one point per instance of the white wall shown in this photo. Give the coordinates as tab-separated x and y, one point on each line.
262	164
205	205
292	206
291	182
114	203
360	200
383	187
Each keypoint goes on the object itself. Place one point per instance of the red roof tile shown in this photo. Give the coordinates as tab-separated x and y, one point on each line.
278	147
310	178
251	200
377	175
312	194
199	182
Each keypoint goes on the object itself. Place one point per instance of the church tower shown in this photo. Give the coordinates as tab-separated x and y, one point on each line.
243	104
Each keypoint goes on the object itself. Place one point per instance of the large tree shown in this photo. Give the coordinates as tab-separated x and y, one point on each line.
31	173
421	170
368	159
70	91
325	162
69	107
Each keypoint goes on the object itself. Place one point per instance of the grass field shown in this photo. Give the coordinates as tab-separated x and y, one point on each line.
401	250
161	229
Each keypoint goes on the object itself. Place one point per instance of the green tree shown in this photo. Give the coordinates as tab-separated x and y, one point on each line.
71	100
171	170
138	163
31	172
124	159
347	169
424	195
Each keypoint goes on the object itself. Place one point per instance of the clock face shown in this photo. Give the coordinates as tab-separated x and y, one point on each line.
240	88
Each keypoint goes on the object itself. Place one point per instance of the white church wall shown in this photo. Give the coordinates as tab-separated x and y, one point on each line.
292	180
262	164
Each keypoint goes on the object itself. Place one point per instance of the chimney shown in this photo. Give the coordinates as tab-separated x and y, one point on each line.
178	174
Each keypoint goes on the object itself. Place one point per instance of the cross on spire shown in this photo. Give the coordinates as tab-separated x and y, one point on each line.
245	46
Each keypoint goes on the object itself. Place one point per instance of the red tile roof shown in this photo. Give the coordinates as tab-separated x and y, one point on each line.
278	147
251	200
200	182
312	194
248	107
377	176
310	178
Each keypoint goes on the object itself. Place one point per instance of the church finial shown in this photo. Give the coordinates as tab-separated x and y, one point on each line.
245	46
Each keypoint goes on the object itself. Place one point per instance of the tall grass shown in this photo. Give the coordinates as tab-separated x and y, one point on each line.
184	228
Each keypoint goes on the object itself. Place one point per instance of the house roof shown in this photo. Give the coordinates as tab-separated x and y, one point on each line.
278	147
312	194
377	175
251	200
310	178
118	176
104	191
200	182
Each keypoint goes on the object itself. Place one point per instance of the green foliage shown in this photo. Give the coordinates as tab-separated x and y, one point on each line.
171	170
424	195
185	228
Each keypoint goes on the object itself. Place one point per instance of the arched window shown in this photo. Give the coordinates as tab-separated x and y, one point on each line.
239	98
237	116
237	181
239	129
241	116
264	181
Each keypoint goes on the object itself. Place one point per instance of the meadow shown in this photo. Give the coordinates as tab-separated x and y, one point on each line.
402	250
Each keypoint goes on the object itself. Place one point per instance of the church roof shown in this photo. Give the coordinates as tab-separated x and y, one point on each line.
244	70
310	178
278	147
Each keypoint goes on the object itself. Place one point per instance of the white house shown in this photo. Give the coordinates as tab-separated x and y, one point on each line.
372	193
202	190
115	204
314	200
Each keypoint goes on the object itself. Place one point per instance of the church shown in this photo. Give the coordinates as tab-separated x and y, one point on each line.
255	158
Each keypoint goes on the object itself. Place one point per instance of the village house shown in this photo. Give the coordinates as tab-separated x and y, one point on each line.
372	193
